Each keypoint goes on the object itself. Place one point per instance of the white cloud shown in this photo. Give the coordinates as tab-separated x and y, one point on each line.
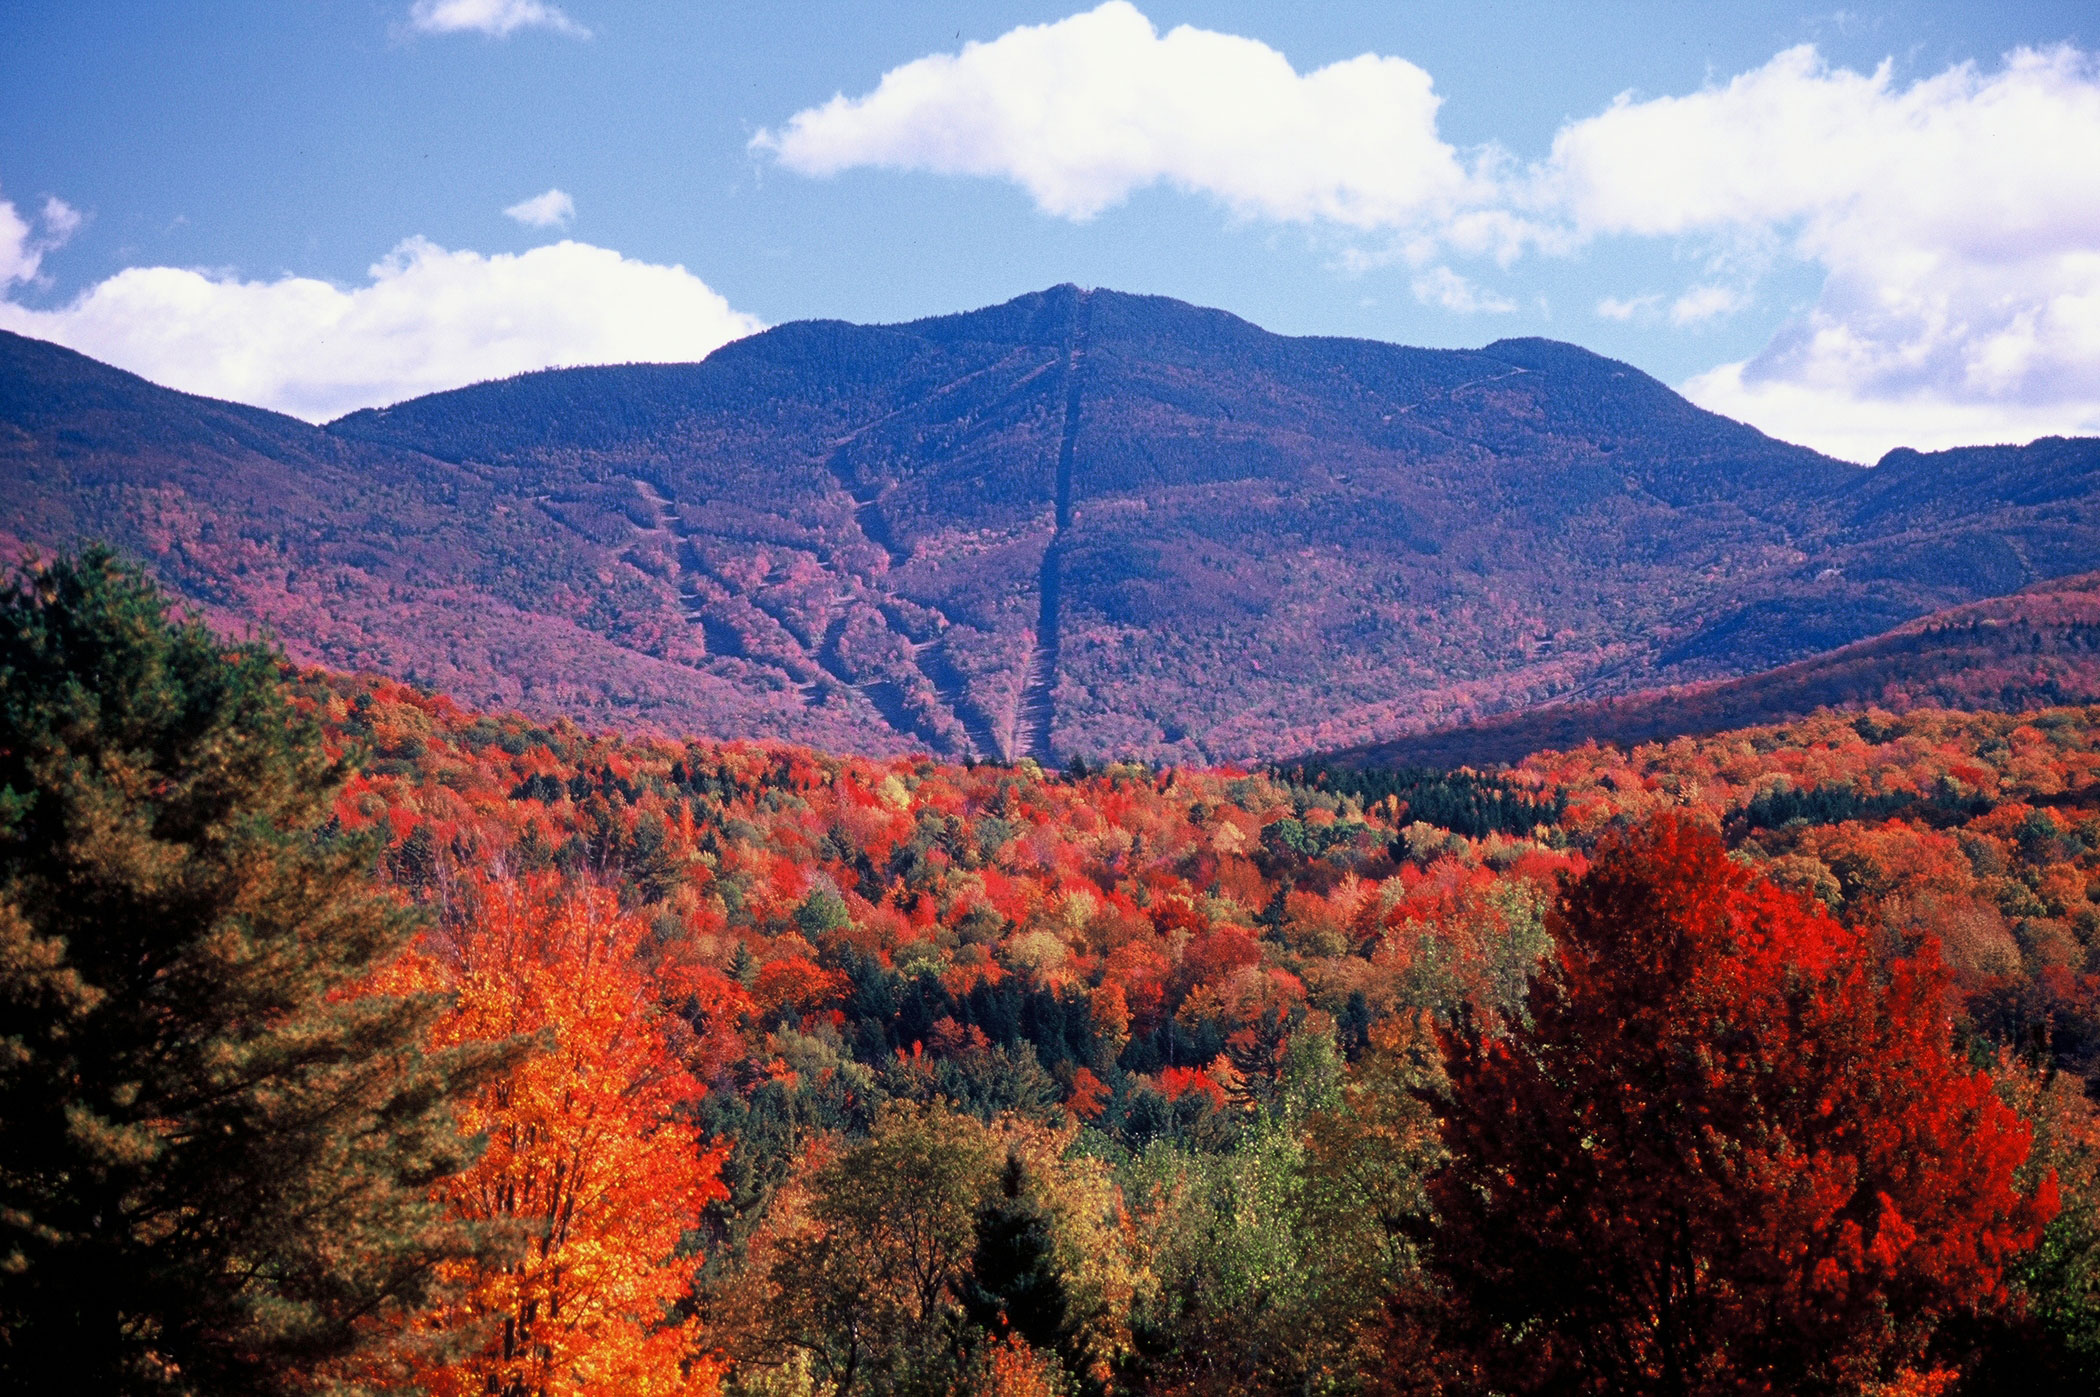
498	18
1957	221
22	247
1440	286
19	258
1084	112
61	220
553	209
1837	419
1627	307
428	319
1955	218
1703	303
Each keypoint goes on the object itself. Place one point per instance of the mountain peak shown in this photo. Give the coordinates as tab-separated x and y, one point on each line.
1081	521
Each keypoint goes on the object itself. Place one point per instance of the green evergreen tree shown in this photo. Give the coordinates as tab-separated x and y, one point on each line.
214	1153
1014	1283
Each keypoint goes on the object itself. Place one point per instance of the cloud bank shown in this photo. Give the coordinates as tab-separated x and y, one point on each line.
1957	222
1956	219
427	319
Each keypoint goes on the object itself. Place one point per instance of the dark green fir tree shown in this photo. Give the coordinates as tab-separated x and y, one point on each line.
1015	1284
215	1153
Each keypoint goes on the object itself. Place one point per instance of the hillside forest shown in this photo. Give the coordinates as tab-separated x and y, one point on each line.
354	1041
1078	523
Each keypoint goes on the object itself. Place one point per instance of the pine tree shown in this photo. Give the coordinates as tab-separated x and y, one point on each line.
1014	1285
216	1153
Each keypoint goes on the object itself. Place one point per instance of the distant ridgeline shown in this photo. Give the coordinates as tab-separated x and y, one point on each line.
1080	523
2036	648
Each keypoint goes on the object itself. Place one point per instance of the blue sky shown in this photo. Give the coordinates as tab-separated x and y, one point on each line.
1856	228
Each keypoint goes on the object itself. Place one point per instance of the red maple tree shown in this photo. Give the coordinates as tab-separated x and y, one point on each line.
1729	1152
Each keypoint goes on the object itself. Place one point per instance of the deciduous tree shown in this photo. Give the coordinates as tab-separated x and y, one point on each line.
1730	1153
591	1158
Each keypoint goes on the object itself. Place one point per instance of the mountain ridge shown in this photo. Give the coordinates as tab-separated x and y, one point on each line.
2035	648
1177	536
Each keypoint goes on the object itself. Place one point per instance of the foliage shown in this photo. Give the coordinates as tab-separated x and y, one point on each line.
2053	1343
1271	1262
1013	1284
863	1269
217	1149
1725	1153
887	1075
1465	802
589	1157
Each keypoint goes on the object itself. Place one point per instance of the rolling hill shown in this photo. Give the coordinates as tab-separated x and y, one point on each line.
1077	523
2038	648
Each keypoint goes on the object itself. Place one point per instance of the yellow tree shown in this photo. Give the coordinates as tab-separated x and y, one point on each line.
590	1156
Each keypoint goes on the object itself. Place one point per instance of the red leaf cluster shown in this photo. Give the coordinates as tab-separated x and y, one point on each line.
1727	1154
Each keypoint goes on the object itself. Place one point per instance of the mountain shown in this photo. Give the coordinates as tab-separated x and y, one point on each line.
1079	522
355	555
2038	648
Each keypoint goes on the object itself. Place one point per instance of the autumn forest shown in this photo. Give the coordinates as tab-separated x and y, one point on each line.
358	1042
1064	699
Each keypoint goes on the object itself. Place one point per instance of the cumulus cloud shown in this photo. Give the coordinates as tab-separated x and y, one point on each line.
1084	112
1440	286
23	243
1955	219
427	319
497	18
553	209
1835	417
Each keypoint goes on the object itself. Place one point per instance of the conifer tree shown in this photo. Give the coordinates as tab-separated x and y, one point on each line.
1014	1285
216	1153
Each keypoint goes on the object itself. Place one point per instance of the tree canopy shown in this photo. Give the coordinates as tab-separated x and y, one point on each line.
1728	1152
812	1074
215	1151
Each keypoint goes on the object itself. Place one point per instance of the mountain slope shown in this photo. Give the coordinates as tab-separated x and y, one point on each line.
355	555
1078	522
2038	648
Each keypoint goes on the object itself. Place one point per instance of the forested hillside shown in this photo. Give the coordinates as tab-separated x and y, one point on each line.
771	1071
2038	648
1189	1003
1081	523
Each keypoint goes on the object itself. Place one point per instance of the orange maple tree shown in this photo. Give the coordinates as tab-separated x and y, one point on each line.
589	1153
1729	1153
